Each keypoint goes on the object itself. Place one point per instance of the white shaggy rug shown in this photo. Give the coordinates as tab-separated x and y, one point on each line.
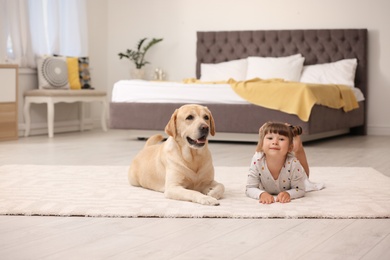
103	191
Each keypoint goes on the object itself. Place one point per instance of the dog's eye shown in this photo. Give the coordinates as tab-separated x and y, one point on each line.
190	117
206	117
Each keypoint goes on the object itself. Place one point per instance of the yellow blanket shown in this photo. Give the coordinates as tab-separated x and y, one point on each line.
292	97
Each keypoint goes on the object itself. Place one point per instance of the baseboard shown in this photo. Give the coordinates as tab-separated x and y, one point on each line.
59	127
378	130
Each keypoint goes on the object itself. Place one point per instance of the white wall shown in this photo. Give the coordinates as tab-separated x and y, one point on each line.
118	24
98	49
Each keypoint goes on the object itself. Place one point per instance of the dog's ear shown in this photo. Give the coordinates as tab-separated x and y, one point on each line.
212	123
170	128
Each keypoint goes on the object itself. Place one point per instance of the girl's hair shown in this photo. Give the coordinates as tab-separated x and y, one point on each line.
278	128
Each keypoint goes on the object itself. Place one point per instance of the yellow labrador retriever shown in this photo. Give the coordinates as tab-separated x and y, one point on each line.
182	166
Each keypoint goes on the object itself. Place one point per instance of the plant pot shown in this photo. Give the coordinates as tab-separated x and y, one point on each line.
137	74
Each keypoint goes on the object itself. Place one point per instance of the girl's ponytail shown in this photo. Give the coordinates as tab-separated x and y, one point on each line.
296	130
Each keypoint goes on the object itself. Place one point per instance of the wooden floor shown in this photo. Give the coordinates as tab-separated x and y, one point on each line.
154	238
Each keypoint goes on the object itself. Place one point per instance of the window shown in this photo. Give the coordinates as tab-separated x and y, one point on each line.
32	28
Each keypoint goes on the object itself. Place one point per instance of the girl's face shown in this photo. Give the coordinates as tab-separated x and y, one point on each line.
276	145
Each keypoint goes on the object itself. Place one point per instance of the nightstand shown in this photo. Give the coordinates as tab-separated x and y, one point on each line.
8	102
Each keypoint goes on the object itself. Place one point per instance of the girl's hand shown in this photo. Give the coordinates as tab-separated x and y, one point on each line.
266	198
283	197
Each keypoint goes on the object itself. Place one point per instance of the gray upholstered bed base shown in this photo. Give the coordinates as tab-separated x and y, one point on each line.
230	120
235	122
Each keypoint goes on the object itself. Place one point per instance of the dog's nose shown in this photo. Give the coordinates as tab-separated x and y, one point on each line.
204	129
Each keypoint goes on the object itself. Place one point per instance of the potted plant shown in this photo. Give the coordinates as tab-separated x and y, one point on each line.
138	55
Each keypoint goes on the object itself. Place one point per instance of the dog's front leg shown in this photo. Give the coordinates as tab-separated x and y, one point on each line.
178	192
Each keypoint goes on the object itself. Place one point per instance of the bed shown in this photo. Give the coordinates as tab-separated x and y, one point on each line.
240	121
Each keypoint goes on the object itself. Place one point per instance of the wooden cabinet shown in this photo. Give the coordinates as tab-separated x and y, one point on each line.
8	102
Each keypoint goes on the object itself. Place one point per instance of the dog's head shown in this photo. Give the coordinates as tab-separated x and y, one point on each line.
192	124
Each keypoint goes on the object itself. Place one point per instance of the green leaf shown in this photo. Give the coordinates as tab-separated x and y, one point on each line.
138	56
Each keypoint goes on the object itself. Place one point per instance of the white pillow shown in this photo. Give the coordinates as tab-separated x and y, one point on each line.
287	68
235	69
52	73
339	72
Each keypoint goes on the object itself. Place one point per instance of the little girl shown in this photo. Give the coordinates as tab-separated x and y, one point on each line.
275	170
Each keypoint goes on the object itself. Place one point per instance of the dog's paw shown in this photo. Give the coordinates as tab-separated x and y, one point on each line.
207	200
216	192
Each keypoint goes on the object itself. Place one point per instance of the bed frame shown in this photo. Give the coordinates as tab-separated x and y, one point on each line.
241	122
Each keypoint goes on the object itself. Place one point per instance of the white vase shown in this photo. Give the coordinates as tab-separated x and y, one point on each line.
137	74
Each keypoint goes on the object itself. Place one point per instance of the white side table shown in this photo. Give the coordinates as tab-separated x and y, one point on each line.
53	96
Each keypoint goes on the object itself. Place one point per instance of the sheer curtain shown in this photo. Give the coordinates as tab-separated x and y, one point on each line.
15	40
32	28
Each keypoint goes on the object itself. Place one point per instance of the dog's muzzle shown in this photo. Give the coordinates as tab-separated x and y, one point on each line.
201	141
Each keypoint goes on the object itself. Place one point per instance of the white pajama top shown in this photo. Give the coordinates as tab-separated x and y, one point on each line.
291	178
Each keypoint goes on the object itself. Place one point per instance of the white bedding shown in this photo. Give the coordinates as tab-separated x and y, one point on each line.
143	91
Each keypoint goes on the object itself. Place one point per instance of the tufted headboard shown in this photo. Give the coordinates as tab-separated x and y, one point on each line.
317	46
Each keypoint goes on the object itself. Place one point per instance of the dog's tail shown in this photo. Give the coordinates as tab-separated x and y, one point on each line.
154	140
